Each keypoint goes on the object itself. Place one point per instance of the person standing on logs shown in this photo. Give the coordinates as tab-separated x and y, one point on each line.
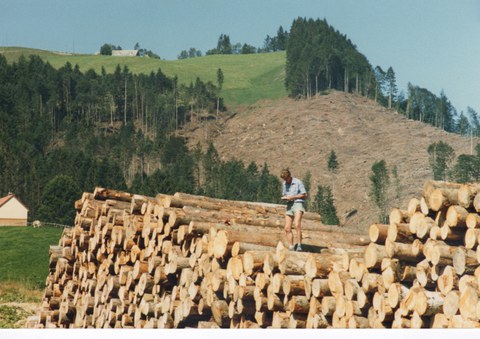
294	193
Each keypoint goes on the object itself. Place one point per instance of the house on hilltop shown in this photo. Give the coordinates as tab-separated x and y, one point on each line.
12	211
125	53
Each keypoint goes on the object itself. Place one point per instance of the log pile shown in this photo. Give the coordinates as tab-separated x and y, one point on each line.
181	261
427	260
133	261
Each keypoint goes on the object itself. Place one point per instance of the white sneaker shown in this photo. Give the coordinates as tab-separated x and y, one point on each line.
299	248
291	248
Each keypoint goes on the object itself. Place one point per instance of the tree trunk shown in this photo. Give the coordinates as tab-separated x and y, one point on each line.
467	193
457	216
378	233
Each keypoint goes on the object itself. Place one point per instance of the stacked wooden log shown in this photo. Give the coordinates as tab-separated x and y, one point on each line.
427	260
132	261
191	261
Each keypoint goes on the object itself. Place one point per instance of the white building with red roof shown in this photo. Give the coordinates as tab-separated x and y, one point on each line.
12	211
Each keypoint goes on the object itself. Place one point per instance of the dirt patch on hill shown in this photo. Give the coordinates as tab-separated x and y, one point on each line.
301	134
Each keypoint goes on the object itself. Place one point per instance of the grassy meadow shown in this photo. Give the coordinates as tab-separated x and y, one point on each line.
24	254
24	262
247	78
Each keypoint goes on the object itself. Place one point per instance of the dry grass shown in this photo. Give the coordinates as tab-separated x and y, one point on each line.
17	302
11	291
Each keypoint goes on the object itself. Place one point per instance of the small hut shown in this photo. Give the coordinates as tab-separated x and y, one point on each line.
12	211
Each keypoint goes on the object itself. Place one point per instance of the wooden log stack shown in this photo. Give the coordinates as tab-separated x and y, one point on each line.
427	260
181	261
133	261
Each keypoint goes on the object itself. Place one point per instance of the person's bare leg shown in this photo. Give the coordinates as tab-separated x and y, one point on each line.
298	225
288	229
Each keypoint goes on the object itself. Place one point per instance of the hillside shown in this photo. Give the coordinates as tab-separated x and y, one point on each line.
360	131
247	78
301	134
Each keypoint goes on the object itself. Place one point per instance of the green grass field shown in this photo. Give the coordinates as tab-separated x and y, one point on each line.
247	78
24	254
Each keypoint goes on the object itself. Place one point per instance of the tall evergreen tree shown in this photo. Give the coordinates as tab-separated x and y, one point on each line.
282	39
463	125
441	156
380	181
106	49
332	163
211	167
391	83
467	169
325	206
224	45
380	76
220	80
397	184
475	124
269	186
307	182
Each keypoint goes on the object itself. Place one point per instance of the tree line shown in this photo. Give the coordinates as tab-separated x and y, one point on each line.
320	58
225	46
445	165
157	103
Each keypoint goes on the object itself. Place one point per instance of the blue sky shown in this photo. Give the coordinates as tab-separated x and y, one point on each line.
433	44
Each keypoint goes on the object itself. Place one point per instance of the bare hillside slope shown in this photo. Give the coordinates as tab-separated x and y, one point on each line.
301	134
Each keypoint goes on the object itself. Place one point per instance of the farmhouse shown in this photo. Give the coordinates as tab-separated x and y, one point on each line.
12	211
125	53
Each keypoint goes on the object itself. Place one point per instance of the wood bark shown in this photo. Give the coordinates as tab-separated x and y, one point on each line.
378	233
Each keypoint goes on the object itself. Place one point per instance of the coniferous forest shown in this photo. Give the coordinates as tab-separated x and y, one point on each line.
63	132
320	58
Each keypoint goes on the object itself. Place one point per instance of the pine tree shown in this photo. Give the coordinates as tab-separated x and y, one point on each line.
475	121
211	167
397	184
269	187
220	79
282	39
380	181
325	206
391	84
462	126
332	162
467	169
441	156
224	46
380	83
307	182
